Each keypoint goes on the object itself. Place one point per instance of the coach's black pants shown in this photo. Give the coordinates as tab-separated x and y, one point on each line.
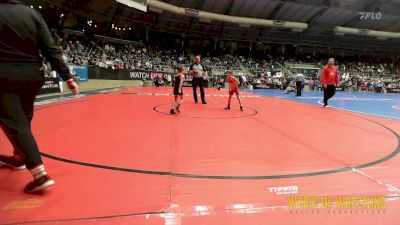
200	83
299	86
16	112
329	92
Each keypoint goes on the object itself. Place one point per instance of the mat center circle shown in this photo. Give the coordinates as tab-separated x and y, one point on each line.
209	111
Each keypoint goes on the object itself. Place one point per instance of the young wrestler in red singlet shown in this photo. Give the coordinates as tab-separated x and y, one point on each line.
233	89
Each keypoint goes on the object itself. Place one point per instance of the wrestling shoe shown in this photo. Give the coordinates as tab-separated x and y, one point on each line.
227	108
241	108
12	162
39	184
172	112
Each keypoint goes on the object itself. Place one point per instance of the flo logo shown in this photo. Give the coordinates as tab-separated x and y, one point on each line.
370	15
284	190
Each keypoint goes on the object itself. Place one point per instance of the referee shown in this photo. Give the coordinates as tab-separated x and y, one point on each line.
198	73
23	33
299	83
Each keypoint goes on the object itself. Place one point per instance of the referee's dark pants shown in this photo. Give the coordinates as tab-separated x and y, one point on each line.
16	113
198	82
299	86
329	92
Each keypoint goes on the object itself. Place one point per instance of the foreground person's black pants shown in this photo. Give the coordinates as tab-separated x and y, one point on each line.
16	112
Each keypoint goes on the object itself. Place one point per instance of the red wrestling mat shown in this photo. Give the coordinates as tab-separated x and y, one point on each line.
128	162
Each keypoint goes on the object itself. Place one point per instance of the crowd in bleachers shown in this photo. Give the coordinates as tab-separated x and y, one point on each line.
81	51
260	66
221	63
357	74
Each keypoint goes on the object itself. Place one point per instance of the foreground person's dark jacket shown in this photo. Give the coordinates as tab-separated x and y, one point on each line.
23	32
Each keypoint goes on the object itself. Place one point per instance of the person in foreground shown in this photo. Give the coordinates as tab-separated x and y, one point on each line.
330	79
178	92
21	39
233	89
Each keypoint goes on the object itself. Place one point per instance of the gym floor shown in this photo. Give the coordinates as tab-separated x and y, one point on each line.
127	161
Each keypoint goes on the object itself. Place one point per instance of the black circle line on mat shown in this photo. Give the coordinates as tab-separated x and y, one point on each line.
211	118
87	218
267	177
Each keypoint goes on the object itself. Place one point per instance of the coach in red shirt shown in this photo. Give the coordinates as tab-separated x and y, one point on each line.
330	79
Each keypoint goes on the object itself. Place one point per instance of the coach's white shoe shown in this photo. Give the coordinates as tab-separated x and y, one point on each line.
39	184
12	162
